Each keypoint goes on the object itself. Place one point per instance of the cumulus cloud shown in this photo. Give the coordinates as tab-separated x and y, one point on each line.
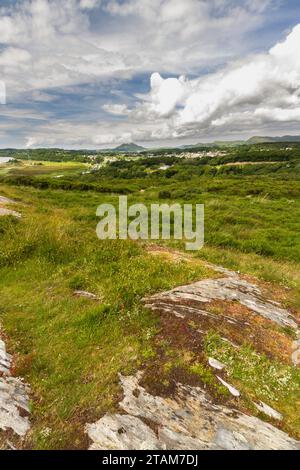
263	88
87	134
49	49
49	43
165	94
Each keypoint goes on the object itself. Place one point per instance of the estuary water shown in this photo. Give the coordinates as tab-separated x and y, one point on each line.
5	159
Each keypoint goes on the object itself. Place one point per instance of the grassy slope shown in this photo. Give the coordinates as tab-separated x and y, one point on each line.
70	350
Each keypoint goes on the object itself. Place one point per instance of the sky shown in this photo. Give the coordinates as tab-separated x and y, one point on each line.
99	73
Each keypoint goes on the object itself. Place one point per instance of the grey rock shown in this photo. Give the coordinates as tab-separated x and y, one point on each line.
231	440
5	359
267	410
215	363
188	420
191	299
122	432
13	398
231	389
86	295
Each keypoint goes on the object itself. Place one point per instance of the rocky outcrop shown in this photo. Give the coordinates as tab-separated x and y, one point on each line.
122	432
193	299
188	420
5	359
14	400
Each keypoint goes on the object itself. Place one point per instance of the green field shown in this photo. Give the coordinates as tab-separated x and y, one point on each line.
35	168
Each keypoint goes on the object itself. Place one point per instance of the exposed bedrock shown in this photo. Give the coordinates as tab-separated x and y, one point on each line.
188	420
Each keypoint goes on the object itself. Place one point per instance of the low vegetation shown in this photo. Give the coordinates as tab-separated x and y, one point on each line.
71	349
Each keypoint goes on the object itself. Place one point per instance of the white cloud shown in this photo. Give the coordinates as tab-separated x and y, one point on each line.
165	94
50	43
263	88
89	4
116	109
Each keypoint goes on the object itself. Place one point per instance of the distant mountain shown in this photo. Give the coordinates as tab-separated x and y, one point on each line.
262	140
253	140
134	148
216	143
131	147
228	143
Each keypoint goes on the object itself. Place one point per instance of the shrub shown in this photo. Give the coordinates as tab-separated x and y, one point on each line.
164	195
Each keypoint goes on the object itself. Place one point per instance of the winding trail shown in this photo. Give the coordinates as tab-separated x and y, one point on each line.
4	201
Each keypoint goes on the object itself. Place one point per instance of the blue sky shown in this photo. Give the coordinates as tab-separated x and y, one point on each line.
97	73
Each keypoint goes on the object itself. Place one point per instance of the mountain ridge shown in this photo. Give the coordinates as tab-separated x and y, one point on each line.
129	147
135	148
252	140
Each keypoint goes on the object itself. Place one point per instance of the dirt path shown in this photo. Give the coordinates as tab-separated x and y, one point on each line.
4	201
